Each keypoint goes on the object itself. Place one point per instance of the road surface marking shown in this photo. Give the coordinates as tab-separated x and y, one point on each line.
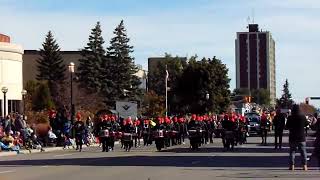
3	172
61	155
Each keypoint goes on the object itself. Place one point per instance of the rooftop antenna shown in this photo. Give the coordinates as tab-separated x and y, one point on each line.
252	15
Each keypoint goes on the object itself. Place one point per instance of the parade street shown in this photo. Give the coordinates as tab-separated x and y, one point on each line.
249	161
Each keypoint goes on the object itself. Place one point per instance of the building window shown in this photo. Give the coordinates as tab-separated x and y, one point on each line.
13	106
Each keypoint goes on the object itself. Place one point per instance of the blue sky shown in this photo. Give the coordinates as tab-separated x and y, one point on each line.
180	27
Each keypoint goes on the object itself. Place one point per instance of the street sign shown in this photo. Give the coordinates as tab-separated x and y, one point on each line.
127	109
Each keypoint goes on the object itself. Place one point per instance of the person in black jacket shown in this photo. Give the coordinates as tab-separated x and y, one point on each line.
79	128
297	137
279	122
103	126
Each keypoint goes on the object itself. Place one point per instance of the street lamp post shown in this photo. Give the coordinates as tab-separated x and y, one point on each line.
4	91
71	70
24	93
207	98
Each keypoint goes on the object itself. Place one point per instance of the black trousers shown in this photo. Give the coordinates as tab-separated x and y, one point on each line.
278	138
183	136
211	136
111	139
136	141
264	134
206	137
178	138
145	139
79	141
105	144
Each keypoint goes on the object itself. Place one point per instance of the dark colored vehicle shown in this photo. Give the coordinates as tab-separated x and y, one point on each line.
253	120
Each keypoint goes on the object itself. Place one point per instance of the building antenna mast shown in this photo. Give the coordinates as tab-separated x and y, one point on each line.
252	15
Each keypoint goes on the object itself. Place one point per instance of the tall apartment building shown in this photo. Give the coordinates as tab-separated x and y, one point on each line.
255	61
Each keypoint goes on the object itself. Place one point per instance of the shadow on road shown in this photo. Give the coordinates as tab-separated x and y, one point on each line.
258	149
154	161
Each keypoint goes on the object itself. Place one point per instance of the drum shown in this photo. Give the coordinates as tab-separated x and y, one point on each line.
119	135
127	136
229	134
192	132
173	133
105	133
113	134
159	134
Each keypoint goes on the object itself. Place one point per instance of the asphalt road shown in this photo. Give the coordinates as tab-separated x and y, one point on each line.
250	161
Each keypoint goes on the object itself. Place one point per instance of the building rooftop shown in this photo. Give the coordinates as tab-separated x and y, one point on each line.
4	38
62	52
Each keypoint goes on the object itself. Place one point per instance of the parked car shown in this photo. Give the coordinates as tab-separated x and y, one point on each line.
253	120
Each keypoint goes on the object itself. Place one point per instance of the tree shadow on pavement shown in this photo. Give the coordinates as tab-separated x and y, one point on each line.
238	149
284	144
156	161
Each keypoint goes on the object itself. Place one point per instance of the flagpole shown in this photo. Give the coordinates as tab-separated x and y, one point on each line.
166	83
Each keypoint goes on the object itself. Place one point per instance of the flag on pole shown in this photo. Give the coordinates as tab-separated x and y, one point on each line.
167	74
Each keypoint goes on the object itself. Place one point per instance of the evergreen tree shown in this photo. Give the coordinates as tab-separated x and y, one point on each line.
50	65
119	69
41	98
286	99
93	55
261	96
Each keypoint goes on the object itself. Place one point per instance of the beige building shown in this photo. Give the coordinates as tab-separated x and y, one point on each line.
10	75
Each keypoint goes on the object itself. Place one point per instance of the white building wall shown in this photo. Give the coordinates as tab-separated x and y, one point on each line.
11	71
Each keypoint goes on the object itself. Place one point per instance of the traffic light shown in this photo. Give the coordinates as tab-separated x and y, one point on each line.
248	99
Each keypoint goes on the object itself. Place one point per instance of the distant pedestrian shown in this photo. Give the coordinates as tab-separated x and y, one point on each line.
79	128
279	122
297	138
264	127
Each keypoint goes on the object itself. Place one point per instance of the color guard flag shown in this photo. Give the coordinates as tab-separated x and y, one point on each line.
152	123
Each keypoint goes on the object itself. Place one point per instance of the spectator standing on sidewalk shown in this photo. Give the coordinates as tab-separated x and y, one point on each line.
279	122
7	124
297	137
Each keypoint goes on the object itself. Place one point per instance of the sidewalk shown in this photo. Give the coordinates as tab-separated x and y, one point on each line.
47	149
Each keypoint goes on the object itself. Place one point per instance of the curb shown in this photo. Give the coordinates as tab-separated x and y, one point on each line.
50	149
4	154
